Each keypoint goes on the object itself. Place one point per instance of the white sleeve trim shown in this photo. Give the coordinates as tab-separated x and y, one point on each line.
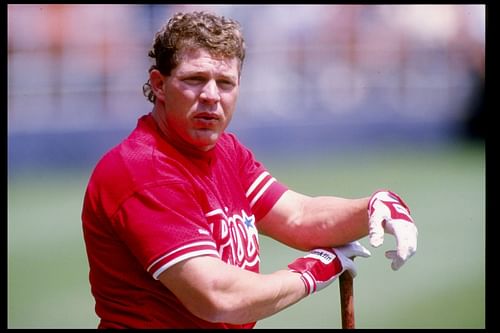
261	192
181	258
256	183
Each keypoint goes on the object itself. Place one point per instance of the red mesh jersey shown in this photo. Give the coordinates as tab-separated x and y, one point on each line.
149	206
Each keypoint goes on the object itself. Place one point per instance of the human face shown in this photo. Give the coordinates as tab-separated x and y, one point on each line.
198	99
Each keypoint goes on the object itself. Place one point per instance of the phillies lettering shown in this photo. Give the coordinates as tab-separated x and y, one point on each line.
236	237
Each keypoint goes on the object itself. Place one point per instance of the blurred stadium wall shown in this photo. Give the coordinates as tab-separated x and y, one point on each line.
315	77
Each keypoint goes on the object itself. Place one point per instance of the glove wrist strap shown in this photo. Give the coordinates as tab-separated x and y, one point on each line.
309	283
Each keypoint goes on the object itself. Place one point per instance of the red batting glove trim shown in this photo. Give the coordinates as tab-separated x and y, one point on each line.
395	213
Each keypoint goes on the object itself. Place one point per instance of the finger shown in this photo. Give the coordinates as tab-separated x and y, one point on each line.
348	265
364	253
360	251
376	232
402	251
406	237
351	253
399	257
397	261
354	249
352	269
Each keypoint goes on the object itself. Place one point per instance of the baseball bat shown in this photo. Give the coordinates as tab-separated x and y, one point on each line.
346	300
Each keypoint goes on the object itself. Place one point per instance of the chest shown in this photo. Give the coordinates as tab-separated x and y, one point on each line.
230	218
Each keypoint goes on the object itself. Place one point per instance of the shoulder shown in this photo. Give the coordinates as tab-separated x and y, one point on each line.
229	139
229	142
132	166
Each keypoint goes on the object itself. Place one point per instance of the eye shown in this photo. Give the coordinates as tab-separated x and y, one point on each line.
226	84
194	80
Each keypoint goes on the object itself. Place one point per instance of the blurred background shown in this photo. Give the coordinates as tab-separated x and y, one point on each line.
335	99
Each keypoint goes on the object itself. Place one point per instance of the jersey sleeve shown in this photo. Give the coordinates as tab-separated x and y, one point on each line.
261	188
164	225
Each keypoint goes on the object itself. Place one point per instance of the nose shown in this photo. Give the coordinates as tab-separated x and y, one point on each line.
210	93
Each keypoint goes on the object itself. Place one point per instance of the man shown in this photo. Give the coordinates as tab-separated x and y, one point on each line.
171	215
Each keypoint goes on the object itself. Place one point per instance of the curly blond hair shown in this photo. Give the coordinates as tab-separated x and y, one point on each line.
220	36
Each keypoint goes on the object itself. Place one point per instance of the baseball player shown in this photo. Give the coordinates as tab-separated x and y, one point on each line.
172	214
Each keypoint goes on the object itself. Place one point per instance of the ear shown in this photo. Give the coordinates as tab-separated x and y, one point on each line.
157	80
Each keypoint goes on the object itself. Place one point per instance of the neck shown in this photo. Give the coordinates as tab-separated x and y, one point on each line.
176	141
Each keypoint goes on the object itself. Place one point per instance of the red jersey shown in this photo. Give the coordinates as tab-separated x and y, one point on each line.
149	206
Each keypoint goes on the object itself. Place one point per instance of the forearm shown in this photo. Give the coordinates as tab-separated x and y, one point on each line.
232	295
246	300
304	222
331	221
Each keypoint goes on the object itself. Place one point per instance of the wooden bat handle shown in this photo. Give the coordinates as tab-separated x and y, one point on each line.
346	300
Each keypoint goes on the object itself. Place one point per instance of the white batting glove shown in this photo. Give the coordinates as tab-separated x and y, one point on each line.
347	253
388	213
320	267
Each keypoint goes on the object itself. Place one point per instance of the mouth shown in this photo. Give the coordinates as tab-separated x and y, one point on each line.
206	120
207	116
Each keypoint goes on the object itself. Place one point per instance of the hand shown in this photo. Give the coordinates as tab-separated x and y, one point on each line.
388	213
322	266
